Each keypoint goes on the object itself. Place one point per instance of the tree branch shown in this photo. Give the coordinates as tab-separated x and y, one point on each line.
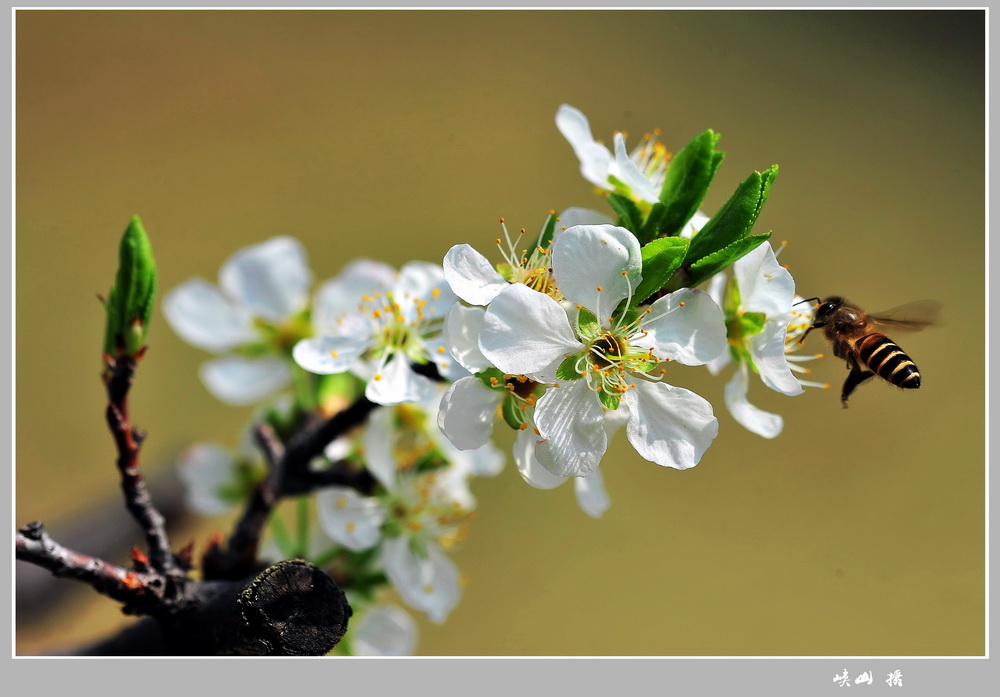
128	441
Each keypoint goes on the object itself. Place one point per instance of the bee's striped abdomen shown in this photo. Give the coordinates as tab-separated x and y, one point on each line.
888	361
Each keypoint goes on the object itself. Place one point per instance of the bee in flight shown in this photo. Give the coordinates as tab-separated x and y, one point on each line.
856	338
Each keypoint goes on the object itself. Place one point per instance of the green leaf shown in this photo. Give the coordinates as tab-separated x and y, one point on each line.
133	294
708	266
690	173
512	414
611	401
567	369
735	219
629	215
660	258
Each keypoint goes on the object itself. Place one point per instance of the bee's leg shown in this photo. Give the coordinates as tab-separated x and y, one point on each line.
817	325
855	378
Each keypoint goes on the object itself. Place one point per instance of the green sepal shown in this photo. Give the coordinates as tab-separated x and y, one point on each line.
567	369
645	366
629	215
687	180
708	266
611	401
510	408
660	258
487	376
428	462
133	294
735	219
548	230
587	324
506	272
752	323
631	313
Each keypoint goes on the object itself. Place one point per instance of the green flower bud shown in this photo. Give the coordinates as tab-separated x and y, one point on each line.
133	294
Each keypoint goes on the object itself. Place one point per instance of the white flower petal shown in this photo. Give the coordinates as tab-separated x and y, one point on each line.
237	380
485	461
447	367
424	282
694	225
203	317
467	411
461	333
471	276
588	257
591	495
632	175
574	126
581	216
685	326
350	519
755	420
765	286
378	440
595	159
570	421
429	584
525	331
668	425
271	279
205	469
395	382
716	289
768	352
340	296
326	355
528	465
386	630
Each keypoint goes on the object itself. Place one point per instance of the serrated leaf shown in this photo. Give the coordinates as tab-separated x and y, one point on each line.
629	215
708	266
690	173
660	258
611	401
654	222
567	369
736	217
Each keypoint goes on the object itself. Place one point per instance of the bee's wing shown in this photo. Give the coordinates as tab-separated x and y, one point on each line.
911	316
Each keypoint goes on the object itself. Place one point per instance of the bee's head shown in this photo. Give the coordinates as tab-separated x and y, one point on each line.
828	307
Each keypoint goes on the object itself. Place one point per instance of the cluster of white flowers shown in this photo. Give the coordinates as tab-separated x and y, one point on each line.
551	340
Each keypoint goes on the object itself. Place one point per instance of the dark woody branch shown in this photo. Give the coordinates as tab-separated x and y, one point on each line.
289	474
119	378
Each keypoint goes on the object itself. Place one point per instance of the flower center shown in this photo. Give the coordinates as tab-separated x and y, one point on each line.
400	324
530	268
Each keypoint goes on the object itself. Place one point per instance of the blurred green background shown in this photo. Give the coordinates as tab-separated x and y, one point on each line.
395	135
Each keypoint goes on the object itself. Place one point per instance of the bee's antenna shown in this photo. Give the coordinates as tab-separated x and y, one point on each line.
807	300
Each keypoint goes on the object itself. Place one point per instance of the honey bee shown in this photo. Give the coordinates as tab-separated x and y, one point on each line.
856	338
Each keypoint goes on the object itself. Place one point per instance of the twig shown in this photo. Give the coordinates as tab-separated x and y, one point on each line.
137	498
288	475
139	591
